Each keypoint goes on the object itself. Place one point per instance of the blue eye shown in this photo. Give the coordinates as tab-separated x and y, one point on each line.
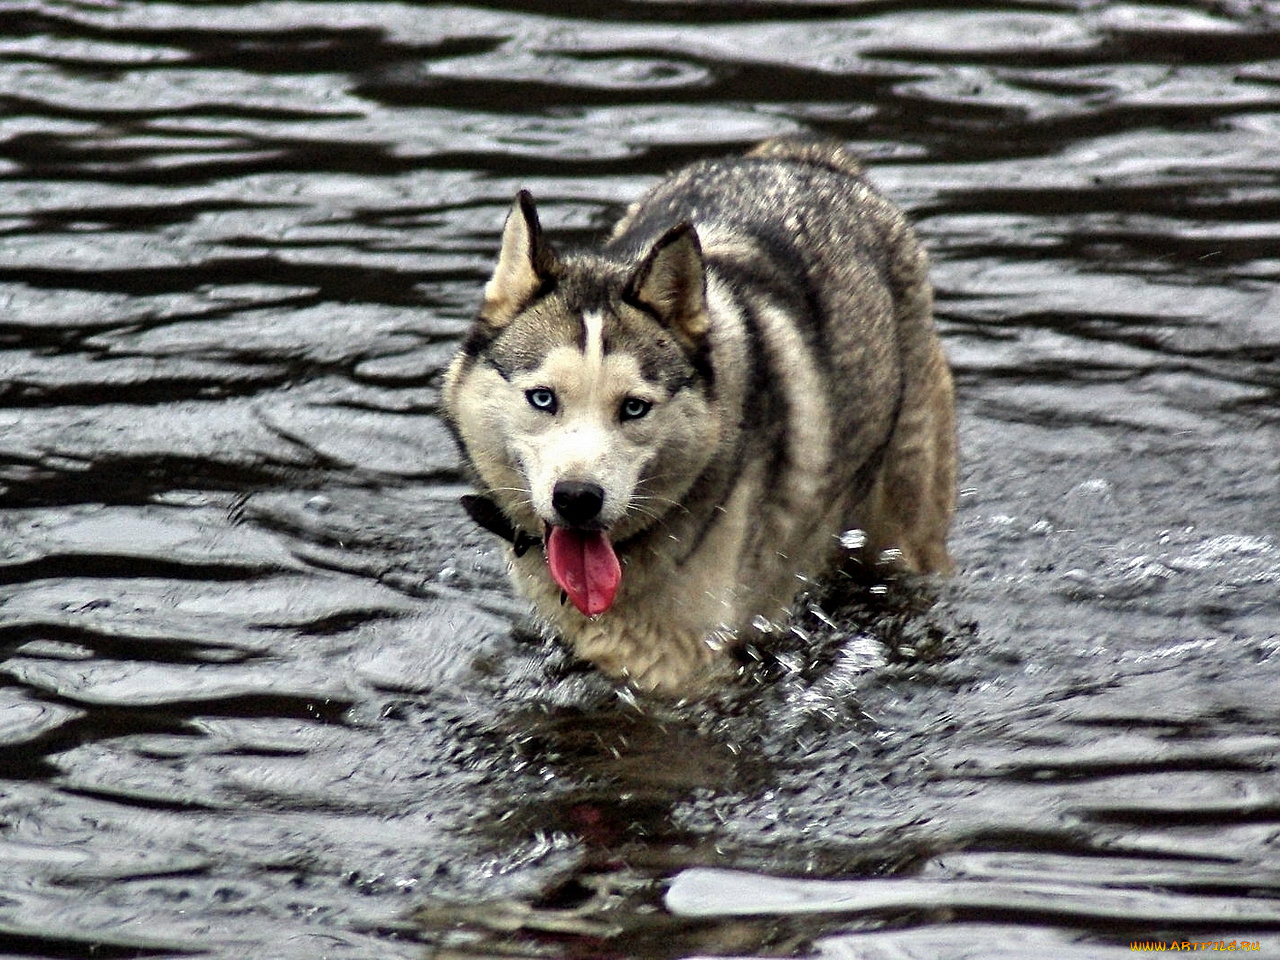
540	398
633	408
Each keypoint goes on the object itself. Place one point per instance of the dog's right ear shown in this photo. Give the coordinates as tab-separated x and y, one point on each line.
527	266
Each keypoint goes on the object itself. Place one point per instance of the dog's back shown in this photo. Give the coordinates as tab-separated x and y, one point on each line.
798	299
850	397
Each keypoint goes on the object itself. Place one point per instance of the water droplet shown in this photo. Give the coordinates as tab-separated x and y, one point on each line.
853	539
1095	487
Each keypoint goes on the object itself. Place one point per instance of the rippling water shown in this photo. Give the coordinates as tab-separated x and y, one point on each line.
264	691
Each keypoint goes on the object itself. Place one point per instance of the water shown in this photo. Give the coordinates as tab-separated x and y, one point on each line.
264	690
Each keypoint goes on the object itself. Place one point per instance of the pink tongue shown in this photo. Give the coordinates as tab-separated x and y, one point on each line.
585	566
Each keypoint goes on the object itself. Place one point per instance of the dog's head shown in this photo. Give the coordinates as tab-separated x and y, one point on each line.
584	395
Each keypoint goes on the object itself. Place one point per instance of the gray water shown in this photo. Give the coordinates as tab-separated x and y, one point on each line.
264	691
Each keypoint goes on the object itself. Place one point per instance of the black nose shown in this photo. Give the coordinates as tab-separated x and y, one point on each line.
577	503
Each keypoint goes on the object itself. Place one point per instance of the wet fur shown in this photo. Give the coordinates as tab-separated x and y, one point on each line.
776	310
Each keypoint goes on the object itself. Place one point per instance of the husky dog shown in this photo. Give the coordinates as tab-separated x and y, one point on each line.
674	431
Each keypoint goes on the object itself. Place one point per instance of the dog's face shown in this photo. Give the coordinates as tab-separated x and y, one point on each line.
583	396
581	414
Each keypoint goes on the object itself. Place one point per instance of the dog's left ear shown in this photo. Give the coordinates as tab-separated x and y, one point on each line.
527	266
671	283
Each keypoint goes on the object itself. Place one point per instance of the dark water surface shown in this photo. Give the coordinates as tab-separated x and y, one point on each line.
264	690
